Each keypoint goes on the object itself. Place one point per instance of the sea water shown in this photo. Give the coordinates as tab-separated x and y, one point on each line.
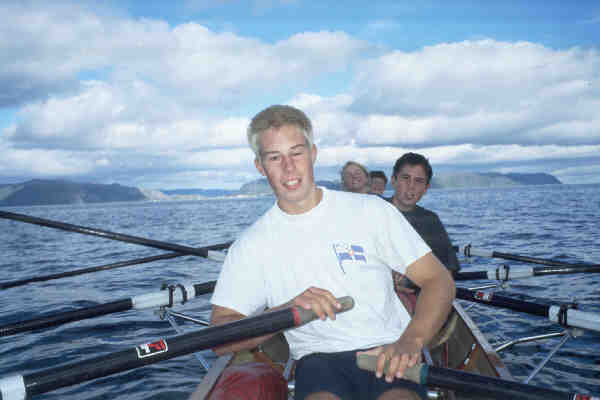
552	221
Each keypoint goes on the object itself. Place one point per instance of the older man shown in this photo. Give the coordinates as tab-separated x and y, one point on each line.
315	245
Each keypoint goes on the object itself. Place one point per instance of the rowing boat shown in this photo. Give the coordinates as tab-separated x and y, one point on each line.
460	345
461	361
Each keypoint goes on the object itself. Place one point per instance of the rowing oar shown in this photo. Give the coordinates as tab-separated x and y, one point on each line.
485	386
506	273
19	387
212	254
201	251
207	251
469	251
174	294
564	315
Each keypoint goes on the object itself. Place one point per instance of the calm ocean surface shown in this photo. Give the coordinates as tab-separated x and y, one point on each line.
553	221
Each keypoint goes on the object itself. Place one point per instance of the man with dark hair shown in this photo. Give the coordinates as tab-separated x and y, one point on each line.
315	245
378	182
411	178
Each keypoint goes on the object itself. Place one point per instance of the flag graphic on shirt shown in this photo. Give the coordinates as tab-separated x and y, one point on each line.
350	252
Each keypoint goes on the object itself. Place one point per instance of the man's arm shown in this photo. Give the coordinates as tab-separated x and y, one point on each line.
431	311
320	301
222	315
435	299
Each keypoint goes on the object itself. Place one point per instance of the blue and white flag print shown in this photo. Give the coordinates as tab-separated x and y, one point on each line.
349	252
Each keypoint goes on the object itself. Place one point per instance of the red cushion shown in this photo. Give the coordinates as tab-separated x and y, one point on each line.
250	381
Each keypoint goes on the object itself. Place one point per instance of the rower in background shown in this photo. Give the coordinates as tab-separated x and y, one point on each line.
378	182
411	178
355	178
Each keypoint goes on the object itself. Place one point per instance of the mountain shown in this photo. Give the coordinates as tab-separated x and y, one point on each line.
200	192
490	179
534	179
45	192
439	181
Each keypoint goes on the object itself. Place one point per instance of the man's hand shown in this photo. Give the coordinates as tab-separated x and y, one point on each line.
402	354
322	302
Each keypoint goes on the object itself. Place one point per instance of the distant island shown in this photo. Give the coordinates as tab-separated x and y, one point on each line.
439	181
48	192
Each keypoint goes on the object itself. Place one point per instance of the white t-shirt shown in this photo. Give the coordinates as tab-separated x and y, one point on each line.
347	245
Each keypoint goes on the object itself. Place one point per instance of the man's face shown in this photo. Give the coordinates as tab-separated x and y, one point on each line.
410	184
287	163
355	179
377	185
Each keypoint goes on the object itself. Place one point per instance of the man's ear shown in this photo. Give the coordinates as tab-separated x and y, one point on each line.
259	166
314	153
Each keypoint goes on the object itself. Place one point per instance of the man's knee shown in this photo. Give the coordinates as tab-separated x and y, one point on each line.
322	396
399	394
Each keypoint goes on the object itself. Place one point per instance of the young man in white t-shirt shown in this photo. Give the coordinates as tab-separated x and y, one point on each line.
315	245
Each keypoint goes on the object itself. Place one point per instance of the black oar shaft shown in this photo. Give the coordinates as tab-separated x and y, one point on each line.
65	317
163	349
91	312
527	259
566	269
506	273
202	252
470	275
43	278
469	251
487	387
477	386
497	300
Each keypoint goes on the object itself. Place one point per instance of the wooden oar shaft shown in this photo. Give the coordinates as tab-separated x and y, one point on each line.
485	386
151	300
162	349
202	252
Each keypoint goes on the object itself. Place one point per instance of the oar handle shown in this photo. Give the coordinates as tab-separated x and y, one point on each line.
369	362
303	316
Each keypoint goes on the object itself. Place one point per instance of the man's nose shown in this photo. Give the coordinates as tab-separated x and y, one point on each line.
288	163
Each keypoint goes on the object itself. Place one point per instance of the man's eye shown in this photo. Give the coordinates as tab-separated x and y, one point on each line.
273	158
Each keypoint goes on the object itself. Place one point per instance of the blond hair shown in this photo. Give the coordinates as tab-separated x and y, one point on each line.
277	116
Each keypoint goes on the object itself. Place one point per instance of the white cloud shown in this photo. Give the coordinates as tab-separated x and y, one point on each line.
484	91
97	94
464	154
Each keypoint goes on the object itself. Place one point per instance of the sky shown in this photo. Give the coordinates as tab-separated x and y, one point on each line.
158	94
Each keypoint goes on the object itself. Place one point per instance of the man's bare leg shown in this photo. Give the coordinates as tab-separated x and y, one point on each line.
399	394
323	396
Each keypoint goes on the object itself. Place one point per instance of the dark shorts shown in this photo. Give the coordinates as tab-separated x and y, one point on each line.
338	373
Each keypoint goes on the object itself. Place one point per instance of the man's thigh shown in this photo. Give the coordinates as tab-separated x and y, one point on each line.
337	373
